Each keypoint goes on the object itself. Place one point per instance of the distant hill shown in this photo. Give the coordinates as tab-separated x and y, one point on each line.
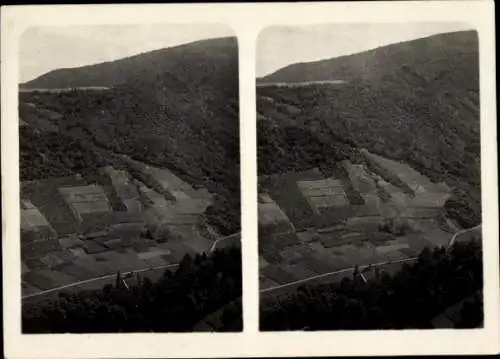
436	55
192	63
416	101
175	108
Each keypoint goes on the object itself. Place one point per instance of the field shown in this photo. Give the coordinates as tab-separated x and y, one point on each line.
360	179
123	189
85	200
165	182
95	233
323	193
88	259
33	220
285	191
366	216
46	197
405	175
271	215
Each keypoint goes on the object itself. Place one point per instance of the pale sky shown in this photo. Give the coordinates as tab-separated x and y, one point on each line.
44	49
280	46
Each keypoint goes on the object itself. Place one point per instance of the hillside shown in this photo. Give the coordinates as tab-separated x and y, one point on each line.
175	108
191	63
437	54
417	102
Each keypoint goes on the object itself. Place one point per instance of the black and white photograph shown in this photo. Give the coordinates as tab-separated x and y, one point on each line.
369	177
231	180
129	179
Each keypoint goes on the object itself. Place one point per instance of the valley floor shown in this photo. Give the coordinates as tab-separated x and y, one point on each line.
371	217
78	233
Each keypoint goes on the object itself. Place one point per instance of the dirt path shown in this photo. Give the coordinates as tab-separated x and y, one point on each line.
302	83
453	239
345	270
87	281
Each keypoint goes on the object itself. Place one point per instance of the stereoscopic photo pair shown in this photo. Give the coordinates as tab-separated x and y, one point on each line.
368	170
368	183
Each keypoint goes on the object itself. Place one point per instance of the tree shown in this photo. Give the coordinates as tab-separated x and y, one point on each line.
355	272
438	280
176	302
118	280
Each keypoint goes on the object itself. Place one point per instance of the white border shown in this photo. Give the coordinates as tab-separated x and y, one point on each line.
247	20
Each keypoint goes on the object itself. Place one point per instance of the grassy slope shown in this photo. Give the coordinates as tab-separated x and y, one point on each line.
416	101
176	107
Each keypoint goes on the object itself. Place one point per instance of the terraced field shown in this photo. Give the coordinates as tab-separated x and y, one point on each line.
380	212
82	231
283	189
46	197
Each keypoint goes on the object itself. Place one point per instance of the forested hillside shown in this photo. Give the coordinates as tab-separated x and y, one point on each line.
287	148
416	101
176	108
